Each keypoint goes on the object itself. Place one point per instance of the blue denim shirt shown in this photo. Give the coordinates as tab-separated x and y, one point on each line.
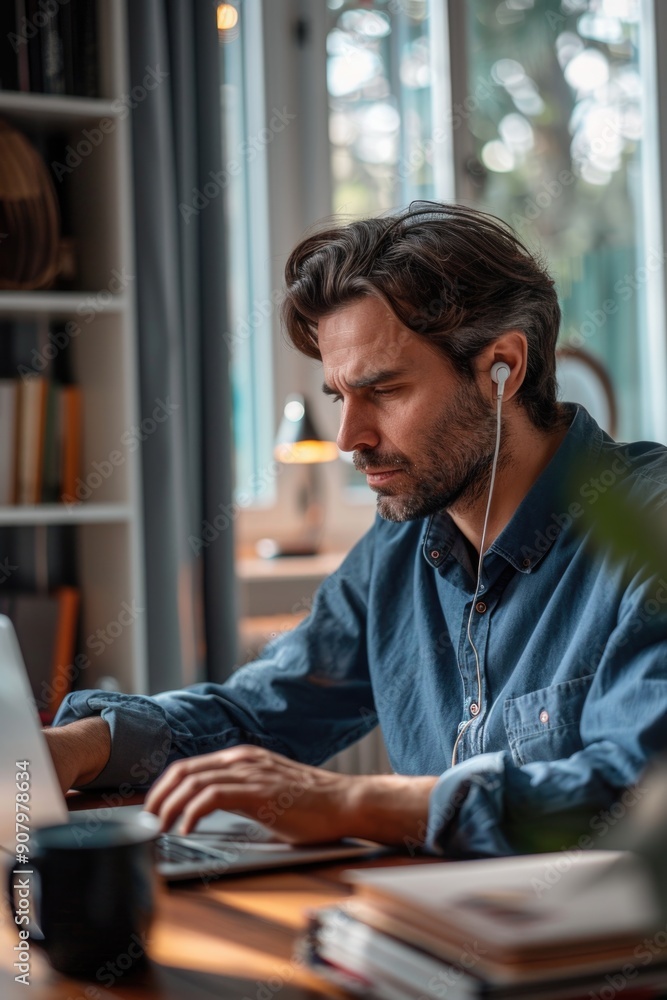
572	648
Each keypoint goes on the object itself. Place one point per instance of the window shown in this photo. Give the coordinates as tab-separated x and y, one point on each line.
559	139
544	112
379	76
251	302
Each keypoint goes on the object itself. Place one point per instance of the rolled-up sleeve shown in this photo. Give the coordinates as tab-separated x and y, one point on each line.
308	696
491	805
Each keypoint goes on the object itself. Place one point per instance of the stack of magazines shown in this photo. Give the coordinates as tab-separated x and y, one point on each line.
580	924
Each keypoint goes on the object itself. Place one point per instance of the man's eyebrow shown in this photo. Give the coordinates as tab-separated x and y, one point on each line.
373	378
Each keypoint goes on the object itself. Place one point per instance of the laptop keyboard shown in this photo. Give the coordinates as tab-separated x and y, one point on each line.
175	851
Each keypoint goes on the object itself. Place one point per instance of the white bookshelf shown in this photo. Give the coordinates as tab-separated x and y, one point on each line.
108	525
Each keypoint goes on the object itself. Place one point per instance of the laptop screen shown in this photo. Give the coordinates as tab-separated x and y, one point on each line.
21	742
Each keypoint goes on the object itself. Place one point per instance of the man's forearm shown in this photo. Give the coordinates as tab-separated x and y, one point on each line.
80	750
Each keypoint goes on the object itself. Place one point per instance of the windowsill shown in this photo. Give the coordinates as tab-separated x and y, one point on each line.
282	586
252	567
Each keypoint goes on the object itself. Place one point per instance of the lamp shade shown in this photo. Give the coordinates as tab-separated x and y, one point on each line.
297	440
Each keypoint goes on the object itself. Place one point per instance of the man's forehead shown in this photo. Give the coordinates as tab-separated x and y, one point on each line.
363	330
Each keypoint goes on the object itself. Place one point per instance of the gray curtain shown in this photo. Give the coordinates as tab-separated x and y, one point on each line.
182	315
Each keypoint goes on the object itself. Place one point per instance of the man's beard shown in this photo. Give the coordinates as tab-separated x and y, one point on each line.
453	468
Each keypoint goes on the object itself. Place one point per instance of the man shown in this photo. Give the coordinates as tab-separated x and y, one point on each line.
534	691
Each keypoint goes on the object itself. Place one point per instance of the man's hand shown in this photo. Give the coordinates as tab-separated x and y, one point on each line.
302	804
79	751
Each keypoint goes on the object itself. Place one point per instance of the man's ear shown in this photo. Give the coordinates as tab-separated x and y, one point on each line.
511	349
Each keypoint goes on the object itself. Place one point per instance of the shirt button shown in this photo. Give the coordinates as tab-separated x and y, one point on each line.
481	607
544	716
435	554
526	563
474	708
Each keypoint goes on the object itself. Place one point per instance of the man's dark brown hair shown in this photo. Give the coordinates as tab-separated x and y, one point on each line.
454	275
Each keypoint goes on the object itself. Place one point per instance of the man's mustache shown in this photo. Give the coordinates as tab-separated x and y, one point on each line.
367	461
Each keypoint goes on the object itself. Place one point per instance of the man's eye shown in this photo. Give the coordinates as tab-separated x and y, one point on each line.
335	397
383	392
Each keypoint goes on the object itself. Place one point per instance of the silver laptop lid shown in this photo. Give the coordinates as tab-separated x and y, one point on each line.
21	740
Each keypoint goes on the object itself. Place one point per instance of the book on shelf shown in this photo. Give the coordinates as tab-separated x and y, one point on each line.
40	417
9	396
30	436
38	558
549	926
40	440
9	69
50	49
46	628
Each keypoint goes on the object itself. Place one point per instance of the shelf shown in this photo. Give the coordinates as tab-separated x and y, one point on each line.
56	513
289	567
102	550
55	110
60	304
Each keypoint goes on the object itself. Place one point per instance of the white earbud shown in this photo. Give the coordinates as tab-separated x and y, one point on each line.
500	372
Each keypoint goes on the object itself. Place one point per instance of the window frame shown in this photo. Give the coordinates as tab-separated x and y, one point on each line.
298	192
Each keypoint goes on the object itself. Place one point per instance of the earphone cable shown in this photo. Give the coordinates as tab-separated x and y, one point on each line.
479	579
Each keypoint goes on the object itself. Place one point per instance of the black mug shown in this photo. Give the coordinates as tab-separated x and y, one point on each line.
86	896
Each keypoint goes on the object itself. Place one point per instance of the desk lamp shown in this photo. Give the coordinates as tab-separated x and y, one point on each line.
298	443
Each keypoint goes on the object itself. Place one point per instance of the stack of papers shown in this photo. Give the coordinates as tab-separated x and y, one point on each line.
548	926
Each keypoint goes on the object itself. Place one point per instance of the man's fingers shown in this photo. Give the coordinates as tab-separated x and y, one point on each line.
234	764
173	797
175	775
191	787
232	797
219	759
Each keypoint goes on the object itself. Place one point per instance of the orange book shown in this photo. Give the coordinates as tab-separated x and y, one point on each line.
64	645
71	426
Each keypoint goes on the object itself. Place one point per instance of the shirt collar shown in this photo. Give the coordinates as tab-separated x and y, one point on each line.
542	514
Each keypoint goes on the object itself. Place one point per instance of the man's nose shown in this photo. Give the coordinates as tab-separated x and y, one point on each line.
357	429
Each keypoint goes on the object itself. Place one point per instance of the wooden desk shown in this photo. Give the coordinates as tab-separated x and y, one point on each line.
233	937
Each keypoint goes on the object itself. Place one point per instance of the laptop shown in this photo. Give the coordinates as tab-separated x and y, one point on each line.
222	843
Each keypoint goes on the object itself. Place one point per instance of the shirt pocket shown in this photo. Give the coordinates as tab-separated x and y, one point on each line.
545	724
